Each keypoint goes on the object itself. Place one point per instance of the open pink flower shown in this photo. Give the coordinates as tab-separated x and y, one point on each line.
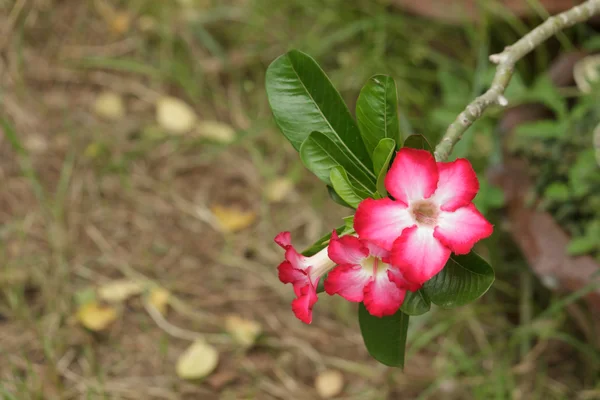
430	216
364	274
304	274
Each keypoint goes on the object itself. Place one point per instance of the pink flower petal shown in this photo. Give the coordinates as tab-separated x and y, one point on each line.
346	250
413	175
461	229
457	186
348	281
381	221
297	277
303	305
383	297
284	239
418	254
396	276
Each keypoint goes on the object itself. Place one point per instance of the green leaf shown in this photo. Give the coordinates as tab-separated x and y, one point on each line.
320	154
382	156
303	100
377	111
583	245
345	189
416	303
324	241
463	280
336	197
418	142
543	129
385	338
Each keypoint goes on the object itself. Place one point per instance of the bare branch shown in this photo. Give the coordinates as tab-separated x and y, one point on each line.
506	63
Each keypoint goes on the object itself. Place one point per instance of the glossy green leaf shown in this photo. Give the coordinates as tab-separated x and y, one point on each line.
416	303
320	154
336	197
385	338
418	142
382	156
377	111
463	280
324	241
303	100
344	188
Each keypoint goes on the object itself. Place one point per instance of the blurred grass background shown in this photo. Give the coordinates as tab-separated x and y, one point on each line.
96	187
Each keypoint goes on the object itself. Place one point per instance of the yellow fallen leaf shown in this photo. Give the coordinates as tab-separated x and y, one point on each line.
119	290
159	298
243	331
96	317
198	361
233	219
216	131
109	105
120	22
278	189
174	115
329	383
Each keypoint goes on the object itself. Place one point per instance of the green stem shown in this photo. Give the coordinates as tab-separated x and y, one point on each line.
505	66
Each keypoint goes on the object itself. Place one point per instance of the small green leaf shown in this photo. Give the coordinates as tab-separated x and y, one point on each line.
382	156
341	184
418	142
385	338
416	303
320	154
583	245
303	100
463	280
336	197
377	111
324	241
541	130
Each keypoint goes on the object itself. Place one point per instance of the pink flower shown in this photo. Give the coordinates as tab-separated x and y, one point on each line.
304	274
430	216
364	274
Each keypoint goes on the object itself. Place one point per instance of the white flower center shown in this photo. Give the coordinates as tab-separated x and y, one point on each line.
424	212
320	264
373	265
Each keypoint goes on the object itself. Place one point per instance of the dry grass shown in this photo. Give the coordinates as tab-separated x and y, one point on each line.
88	201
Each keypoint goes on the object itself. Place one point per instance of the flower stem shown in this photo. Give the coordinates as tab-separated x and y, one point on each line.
505	66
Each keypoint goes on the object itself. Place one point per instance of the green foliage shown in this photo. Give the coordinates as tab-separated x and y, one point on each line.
463	280
382	157
416	303
563	164
377	111
385	337
344	188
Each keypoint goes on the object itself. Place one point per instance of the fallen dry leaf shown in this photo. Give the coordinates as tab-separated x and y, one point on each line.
120	22
174	115
233	219
243	331
110	106
96	317
216	131
329	383
198	361
278	189
119	290
159	298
